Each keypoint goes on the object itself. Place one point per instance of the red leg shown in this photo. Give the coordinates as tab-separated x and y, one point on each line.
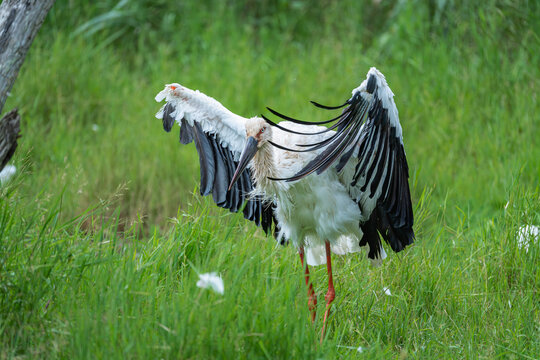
331	294
312	302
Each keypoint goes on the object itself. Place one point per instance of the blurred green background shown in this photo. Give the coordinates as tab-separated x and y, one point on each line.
94	164
465	77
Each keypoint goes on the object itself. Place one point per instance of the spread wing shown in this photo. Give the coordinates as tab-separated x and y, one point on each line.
368	137
219	136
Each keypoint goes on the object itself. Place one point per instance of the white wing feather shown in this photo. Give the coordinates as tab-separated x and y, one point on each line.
387	97
213	117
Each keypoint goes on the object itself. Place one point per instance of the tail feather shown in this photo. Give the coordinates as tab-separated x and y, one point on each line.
380	223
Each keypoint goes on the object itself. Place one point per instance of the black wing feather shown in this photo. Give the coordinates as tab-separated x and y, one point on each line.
186	133
217	167
329	107
221	178
168	120
381	165
206	160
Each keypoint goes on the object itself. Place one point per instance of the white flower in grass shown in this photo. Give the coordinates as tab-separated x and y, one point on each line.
211	281
528	235
7	173
386	290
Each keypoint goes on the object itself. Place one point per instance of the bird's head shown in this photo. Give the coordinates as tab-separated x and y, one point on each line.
258	132
258	129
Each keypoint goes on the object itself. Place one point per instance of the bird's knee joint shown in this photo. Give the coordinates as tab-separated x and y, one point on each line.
330	296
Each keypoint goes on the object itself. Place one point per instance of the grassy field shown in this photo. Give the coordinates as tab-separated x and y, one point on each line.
103	233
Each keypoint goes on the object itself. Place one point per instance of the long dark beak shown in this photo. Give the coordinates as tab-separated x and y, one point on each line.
247	154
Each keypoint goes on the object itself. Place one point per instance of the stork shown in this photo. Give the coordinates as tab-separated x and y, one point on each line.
324	189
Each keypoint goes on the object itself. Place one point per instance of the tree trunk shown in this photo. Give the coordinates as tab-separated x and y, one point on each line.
20	21
9	132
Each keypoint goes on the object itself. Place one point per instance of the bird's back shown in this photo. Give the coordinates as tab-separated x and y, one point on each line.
288	162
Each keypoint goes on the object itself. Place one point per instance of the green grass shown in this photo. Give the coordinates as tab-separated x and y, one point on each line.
102	233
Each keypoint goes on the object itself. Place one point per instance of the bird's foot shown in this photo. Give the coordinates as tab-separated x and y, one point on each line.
329	297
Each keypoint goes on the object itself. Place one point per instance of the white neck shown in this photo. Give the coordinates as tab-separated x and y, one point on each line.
263	166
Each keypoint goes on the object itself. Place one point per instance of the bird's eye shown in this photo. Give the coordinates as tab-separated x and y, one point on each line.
262	130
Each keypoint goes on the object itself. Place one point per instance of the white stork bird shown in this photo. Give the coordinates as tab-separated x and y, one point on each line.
334	188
